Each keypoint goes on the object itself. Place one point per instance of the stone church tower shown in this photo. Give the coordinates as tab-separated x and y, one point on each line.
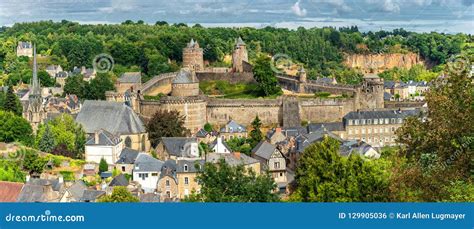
239	56
193	56
34	112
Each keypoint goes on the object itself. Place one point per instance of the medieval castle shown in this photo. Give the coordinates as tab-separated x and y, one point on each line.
182	93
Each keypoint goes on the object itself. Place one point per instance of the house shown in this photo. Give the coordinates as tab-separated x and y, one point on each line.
186	173
204	136
167	186
119	180
129	81
271	160
42	190
233	130
53	70
87	73
24	49
219	146
177	147
361	148
274	136
117	119
103	144
74	193
9	191
236	159
61	78
126	160
147	171
336	128
92	195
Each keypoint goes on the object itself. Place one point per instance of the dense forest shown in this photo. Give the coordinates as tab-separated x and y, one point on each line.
155	49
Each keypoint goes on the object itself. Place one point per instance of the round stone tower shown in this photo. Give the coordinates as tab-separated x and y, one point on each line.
239	56
185	84
370	93
193	56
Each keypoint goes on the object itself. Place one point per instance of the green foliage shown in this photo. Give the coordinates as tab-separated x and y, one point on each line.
256	134
165	124
324	176
322	94
45	79
68	137
229	90
93	90
203	149
10	171
208	127
68	175
224	183
103	166
32	161
14	128
12	102
119	194
46	143
265	76
153	97
241	145
416	73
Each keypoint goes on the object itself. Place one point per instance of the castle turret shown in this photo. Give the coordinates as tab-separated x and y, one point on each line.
193	56
239	56
370	93
302	80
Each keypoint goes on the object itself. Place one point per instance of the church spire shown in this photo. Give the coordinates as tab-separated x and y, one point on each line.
35	87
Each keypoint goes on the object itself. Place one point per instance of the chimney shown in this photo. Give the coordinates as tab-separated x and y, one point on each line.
278	130
237	155
27	178
96	137
61	179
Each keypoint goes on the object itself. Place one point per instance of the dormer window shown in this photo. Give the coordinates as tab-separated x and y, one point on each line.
185	168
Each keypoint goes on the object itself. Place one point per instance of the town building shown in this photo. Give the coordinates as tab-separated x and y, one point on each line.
147	172
24	49
103	144
186	173
233	130
220	146
273	161
167	186
126	160
193	56
177	147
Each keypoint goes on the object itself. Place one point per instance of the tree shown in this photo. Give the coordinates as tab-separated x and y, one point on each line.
14	128
32	162
12	103
224	183
208	127
75	85
256	134
45	79
323	175
103	166
46	143
165	124
265	76
119	194
96	89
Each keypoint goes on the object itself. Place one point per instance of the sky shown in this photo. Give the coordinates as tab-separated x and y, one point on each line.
447	16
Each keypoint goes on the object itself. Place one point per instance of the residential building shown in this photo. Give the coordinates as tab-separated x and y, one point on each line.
24	49
103	144
276	135
147	171
236	159
186	173
233	130
177	147
219	146
126	160
167	186
53	70
273	161
74	193
42	190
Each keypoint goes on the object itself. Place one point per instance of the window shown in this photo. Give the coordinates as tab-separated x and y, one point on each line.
350	131
168	193
369	130
376	121
123	168
143	175
369	121
393	129
381	130
370	140
392	121
381	121
399	120
154	174
186	180
281	174
128	142
375	130
167	183
185	168
357	121
363	121
276	165
363	131
386	121
350	122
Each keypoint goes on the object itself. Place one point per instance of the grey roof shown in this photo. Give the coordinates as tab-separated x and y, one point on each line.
56	185
25	44
231	159
354	146
324	80
91	195
114	117
130	77
264	150
387	96
294	131
184	77
119	180
389	84
201	133
105	174
77	189
191	165
304	140
330	126
233	127
240	42
127	156
32	193
105	138
147	163
192	44
169	169
214	143
381	114
177	146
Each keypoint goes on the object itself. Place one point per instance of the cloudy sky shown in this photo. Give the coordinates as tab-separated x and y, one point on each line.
449	16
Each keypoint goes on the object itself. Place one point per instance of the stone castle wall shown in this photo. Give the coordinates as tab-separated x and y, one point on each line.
185	89
325	110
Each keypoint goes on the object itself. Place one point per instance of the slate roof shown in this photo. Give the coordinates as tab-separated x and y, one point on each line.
191	165
114	117
330	126
354	146
294	131
183	77
264	150
77	189
304	140
389	84
147	163
231	159
130	77
192	44
32	193
176	146
25	44
9	191
119	180
127	156
91	195
233	127
387	96
201	133
105	138
381	114
240	42
169	169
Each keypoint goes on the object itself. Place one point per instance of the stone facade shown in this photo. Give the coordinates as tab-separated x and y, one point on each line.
193	56
239	56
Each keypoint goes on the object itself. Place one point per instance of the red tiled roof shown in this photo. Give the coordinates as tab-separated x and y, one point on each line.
9	191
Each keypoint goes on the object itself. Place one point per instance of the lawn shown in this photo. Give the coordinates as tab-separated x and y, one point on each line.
224	89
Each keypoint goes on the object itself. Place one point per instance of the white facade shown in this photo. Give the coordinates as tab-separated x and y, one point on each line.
96	152
219	147
147	179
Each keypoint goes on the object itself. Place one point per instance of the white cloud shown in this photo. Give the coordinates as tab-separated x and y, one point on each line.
298	10
391	6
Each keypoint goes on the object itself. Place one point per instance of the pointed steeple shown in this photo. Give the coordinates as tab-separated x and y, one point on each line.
35	86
